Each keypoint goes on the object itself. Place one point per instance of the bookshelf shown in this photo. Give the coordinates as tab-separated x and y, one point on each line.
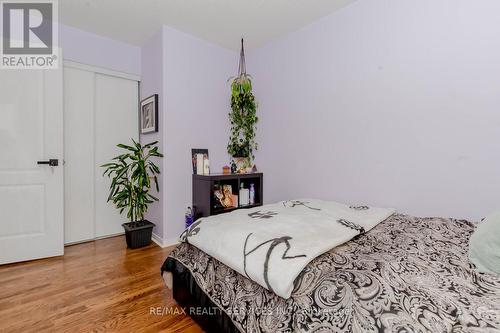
204	200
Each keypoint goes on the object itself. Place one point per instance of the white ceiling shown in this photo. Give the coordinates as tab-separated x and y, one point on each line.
220	21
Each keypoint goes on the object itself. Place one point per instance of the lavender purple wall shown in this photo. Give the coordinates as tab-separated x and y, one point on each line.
390	103
190	77
91	49
152	83
196	107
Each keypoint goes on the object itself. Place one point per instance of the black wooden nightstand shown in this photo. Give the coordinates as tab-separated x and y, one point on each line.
204	201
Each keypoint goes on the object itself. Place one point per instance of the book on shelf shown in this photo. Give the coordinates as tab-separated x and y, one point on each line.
224	197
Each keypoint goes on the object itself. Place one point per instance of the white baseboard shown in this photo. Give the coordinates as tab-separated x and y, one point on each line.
157	239
164	243
171	242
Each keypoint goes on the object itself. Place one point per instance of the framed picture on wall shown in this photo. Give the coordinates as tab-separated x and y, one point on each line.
199	159
149	114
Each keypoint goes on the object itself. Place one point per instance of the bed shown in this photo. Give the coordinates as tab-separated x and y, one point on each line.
407	274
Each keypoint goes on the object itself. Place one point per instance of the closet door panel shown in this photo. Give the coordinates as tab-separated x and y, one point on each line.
79	164
116	121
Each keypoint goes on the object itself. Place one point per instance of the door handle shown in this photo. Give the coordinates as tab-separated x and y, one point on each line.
51	162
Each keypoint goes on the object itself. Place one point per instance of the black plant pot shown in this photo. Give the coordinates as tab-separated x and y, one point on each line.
138	234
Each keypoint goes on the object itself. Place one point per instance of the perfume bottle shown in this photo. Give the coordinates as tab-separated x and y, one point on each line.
252	194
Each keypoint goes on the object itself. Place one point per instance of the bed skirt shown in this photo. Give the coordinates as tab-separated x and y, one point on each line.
197	304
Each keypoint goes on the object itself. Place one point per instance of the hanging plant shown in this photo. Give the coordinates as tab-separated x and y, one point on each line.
243	115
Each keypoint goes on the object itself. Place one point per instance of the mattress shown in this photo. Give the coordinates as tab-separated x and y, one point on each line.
408	274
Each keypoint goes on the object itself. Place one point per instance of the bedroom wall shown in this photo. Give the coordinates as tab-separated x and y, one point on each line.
196	107
91	49
190	76
389	103
152	83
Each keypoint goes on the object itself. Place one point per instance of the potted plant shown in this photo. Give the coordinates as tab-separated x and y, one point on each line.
132	174
243	117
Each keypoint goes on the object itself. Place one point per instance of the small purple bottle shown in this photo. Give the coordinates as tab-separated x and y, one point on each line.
189	217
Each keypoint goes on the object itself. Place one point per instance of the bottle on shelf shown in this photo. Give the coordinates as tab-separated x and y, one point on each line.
252	194
244	195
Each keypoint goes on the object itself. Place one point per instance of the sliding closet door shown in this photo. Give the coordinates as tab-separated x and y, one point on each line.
100	111
116	121
79	166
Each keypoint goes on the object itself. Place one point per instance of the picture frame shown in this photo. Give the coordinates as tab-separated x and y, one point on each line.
194	152
148	114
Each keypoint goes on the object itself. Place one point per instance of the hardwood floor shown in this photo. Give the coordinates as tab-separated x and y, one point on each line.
98	286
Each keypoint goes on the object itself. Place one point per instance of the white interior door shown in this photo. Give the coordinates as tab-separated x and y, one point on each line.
31	195
100	111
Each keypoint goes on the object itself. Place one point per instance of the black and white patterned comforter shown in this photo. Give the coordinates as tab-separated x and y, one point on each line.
272	244
407	274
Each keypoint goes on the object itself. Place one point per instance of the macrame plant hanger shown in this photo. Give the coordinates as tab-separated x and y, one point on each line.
242	69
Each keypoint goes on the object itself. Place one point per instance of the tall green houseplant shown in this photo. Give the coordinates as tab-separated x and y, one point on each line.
132	175
243	115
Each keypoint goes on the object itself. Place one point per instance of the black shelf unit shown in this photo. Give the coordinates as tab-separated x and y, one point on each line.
203	191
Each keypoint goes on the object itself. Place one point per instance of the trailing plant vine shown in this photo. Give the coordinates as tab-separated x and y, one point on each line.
243	115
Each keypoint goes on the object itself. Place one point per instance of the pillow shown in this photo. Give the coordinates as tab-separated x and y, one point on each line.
484	245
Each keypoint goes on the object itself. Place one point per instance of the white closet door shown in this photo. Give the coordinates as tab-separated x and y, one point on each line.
116	121
79	167
100	111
